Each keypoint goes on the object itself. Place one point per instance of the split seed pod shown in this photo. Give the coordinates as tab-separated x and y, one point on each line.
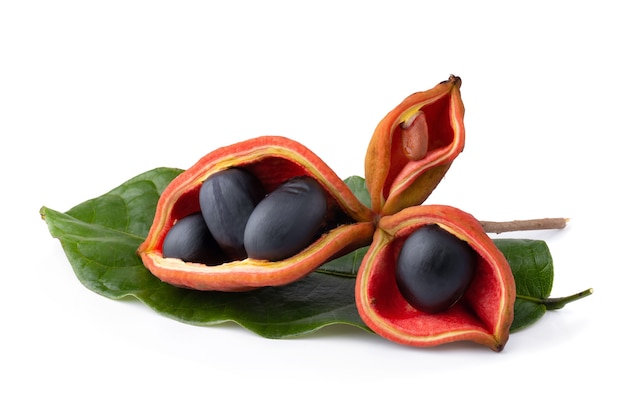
273	160
413	147
484	312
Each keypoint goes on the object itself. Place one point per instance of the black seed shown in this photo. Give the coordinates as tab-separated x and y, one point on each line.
434	269
286	220
226	200
190	240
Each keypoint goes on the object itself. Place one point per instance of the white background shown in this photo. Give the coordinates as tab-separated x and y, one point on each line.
94	93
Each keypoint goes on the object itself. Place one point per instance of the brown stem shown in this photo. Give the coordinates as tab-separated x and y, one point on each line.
518	225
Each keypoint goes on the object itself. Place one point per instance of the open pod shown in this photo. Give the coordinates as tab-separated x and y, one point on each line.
484	312
273	160
413	147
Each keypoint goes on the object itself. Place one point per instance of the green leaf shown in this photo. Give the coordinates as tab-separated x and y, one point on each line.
100	238
356	184
532	266
345	266
130	207
101	235
531	263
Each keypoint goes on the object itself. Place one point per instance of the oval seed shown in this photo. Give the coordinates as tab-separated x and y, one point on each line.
434	268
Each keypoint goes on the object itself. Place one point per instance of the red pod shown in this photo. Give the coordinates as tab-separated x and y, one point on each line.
273	160
413	146
483	314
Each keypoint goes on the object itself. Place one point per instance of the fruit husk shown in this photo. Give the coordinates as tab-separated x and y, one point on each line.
396	181
483	314
273	159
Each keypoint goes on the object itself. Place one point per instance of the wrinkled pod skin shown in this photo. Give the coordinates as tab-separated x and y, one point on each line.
482	314
273	160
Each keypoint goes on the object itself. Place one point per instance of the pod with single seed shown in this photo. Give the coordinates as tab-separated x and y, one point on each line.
483	310
413	146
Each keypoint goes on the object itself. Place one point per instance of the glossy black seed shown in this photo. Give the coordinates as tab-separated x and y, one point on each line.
227	199
190	240
286	220
434	269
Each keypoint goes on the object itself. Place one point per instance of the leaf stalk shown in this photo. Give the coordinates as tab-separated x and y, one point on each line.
557	302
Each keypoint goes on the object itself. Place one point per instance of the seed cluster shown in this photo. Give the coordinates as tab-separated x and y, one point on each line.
239	220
